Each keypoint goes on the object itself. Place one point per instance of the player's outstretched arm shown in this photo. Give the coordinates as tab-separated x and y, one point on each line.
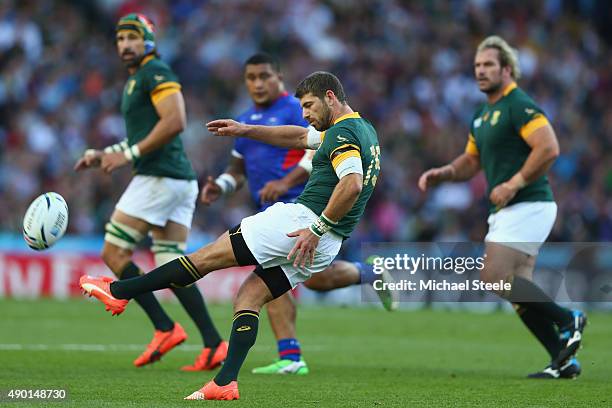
293	137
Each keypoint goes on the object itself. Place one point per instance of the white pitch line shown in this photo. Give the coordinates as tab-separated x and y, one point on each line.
113	347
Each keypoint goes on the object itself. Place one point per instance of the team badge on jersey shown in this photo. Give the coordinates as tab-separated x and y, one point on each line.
477	122
495	117
158	77
130	86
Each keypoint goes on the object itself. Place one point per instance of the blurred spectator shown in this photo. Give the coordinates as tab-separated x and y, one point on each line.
407	66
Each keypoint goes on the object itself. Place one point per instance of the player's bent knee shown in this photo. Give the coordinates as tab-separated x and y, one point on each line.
274	279
281	306
260	287
488	275
252	295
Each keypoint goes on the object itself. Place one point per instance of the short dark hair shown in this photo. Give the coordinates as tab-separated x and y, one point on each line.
318	83
263	58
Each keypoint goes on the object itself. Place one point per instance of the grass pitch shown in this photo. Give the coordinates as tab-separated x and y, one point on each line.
359	357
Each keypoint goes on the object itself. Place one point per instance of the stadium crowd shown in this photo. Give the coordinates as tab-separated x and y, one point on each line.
407	66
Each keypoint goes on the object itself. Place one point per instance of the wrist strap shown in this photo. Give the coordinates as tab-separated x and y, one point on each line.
227	183
117	147
131	153
322	225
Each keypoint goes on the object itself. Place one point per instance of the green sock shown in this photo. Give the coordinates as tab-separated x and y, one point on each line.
178	273
529	295
542	328
148	302
244	333
193	302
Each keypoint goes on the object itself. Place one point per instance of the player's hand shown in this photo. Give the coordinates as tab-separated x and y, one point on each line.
303	252
502	194
435	176
112	161
91	158
210	192
226	127
272	191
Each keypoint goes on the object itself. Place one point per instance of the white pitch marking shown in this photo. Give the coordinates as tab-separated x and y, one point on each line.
114	347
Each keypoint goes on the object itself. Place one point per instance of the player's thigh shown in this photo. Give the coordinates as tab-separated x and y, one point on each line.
501	262
214	256
136	223
525	267
337	275
320	281
172	231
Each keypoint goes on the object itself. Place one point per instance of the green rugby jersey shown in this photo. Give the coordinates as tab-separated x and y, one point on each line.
349	136
497	135
148	85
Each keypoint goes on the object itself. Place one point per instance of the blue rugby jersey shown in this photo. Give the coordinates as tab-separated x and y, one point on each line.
264	162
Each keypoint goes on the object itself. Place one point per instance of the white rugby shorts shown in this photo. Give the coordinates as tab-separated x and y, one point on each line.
158	200
265	234
523	226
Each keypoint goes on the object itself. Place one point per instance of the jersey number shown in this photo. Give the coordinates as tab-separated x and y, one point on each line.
374	164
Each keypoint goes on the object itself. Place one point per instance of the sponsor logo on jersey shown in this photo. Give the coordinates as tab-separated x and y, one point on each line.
342	139
477	122
243	328
256	116
158	77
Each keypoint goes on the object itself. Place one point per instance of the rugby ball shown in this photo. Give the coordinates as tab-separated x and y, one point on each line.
45	221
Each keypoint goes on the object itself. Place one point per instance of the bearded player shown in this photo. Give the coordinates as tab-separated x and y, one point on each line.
287	242
160	199
278	174
513	142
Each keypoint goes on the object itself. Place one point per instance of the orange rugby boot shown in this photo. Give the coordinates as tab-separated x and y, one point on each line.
99	287
212	391
162	343
209	359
